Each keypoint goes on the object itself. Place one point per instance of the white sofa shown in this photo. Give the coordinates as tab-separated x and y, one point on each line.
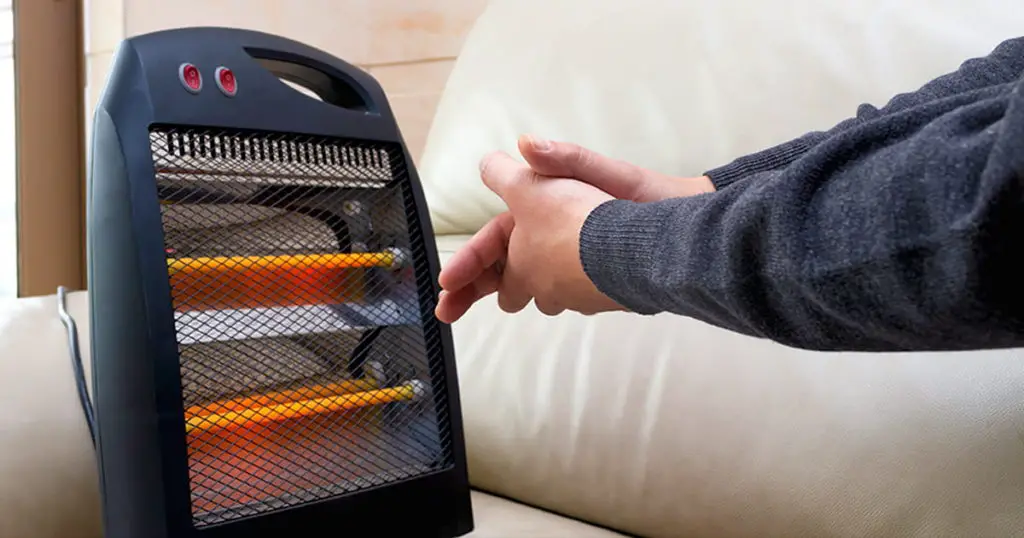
667	427
651	426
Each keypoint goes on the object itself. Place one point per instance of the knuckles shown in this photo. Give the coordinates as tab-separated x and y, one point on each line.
548	307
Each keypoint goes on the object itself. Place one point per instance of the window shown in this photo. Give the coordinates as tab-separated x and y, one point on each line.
47	150
8	168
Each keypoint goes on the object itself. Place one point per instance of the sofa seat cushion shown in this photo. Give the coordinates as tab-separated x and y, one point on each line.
496	517
666	427
48	477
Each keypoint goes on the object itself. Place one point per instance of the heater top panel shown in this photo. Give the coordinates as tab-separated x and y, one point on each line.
246	80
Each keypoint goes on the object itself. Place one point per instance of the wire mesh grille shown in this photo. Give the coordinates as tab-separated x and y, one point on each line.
299	287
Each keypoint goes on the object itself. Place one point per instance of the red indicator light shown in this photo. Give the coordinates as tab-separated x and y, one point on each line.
226	81
190	77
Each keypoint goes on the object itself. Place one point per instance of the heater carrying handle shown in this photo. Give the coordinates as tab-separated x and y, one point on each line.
273	84
332	80
339	88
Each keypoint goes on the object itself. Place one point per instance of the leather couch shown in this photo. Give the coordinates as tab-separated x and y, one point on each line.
650	426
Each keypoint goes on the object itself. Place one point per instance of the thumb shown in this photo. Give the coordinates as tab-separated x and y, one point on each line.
505	176
619	179
553	159
562	159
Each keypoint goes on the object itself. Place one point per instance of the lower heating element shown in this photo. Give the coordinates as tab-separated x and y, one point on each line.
307	369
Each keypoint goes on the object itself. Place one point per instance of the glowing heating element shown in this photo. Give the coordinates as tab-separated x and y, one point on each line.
235	282
273	398
314	262
299	408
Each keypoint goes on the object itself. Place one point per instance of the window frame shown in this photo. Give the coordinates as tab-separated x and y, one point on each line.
50	78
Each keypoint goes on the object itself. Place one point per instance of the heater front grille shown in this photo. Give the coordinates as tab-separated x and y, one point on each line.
298	278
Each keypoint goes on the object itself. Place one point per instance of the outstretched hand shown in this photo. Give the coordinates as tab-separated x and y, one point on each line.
532	251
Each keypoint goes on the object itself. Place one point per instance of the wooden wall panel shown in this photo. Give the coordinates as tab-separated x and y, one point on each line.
49	96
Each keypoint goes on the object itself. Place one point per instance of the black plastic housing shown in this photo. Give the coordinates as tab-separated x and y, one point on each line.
136	371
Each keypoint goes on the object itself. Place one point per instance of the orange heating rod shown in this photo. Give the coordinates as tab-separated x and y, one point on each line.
277	397
313	262
204	420
228	282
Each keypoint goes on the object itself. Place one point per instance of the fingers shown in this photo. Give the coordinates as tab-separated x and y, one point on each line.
561	159
512	294
471	273
505	176
487	247
549	308
618	178
452	305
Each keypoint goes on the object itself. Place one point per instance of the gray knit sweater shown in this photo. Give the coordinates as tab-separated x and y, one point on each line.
895	230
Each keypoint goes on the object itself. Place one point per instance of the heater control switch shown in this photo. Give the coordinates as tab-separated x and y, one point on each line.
226	81
190	77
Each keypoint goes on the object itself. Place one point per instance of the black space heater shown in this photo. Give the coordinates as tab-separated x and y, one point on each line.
262	279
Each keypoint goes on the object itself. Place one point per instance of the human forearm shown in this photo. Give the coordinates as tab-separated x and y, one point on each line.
897	234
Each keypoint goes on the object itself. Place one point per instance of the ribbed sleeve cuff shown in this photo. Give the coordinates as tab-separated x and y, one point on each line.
762	161
618	244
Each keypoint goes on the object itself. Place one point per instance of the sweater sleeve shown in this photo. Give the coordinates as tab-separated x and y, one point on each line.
1004	64
898	233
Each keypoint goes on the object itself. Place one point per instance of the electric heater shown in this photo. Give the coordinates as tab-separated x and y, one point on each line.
262	282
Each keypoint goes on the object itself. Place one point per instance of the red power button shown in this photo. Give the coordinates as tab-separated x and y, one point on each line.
190	77
226	81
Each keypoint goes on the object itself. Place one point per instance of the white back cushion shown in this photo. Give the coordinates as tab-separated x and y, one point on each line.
665	427
682	85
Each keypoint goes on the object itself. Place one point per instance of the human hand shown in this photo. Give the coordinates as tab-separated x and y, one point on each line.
620	179
481	267
530	252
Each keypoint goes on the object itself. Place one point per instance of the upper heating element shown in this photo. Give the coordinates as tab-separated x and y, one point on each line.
183	156
299	284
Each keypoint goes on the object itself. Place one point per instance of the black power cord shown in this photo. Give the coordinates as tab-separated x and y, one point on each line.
76	361
357	364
